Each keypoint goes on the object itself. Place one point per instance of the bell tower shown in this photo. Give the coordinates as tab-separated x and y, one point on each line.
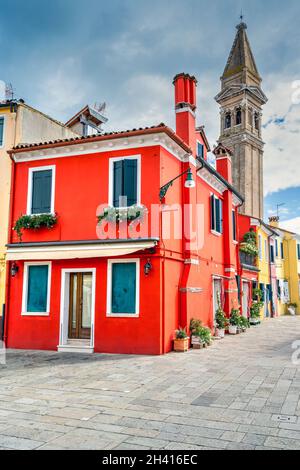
241	99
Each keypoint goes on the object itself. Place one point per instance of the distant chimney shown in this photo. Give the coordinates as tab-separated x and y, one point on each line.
274	221
223	162
185	106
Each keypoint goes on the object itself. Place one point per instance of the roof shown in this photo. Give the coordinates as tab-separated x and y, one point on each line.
241	55
266	226
214	172
90	112
201	131
105	136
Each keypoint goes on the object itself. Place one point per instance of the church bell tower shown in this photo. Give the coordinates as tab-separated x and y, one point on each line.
241	99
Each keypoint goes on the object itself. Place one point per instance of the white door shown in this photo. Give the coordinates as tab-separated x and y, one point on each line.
245	299
217	289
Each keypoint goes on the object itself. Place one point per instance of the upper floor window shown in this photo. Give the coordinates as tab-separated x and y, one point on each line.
276	248
41	190
124	182
216	214
259	247
298	251
256	120
281	250
272	258
200	150
1	131
266	250
238	116
233	226
227	120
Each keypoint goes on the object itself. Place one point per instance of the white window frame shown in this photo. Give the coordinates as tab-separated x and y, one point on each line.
213	231
30	186
3	116
109	313
260	247
111	178
25	288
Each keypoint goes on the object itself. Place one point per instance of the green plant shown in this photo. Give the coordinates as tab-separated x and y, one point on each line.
34	222
250	237
204	334
220	317
181	333
292	304
244	322
119	214
195	325
248	245
257	294
234	318
255	309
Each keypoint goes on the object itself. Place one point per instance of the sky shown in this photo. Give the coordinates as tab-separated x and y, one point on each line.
63	54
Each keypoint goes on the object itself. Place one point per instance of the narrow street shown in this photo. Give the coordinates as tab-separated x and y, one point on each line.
240	393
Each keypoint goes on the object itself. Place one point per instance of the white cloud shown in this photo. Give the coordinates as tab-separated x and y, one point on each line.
292	224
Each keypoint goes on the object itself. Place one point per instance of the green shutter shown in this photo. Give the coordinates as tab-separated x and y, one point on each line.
219	221
212	212
1	130
123	288
37	290
41	192
220	216
130	181
118	182
233	226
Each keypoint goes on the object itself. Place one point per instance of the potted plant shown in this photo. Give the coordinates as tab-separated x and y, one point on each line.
234	321
256	306
201	337
292	308
181	341
244	323
220	320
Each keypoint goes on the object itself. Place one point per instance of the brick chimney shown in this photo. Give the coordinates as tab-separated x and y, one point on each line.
185	107
223	162
274	221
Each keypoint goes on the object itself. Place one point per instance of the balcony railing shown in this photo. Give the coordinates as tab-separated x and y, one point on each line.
249	260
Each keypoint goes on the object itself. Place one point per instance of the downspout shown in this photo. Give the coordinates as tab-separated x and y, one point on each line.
239	270
9	238
271	287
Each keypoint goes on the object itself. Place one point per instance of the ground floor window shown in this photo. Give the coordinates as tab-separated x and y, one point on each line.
36	289
123	288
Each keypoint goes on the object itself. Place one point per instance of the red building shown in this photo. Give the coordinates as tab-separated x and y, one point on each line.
125	287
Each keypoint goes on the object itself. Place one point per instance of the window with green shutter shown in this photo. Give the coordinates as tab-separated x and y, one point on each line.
125	182
216	214
41	191
123	288
37	288
1	131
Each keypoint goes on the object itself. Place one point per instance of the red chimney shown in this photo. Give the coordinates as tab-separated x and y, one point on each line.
185	106
223	162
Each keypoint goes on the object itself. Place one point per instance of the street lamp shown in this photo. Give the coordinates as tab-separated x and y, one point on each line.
189	183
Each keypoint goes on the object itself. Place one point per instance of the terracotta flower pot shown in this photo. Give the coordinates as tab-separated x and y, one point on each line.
181	345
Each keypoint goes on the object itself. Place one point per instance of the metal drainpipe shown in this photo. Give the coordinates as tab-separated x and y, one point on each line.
271	287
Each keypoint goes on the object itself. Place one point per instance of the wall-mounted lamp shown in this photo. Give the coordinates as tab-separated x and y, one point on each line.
14	269
189	183
147	267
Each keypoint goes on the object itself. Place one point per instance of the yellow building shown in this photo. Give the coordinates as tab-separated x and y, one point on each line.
19	123
287	267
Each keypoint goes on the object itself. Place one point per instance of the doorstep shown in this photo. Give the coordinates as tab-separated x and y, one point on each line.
76	346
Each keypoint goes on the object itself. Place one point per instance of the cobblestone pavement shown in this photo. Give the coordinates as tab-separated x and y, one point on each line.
241	393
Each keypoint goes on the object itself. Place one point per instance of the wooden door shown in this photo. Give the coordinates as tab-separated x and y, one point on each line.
80	305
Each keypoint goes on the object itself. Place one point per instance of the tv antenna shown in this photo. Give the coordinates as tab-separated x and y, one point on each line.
278	207
9	92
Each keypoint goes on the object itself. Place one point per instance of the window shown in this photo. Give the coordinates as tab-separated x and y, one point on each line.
1	131
266	250
123	288
216	214
233	226
227	120
238	116
36	289
298	251
276	248
272	259
281	250
259	247
256	121
124	184
200	150
41	190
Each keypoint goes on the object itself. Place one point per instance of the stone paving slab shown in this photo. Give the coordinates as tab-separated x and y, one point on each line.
241	393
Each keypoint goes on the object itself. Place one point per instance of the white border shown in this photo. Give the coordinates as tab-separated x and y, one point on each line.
4	130
111	177
29	191
25	288
64	304
109	288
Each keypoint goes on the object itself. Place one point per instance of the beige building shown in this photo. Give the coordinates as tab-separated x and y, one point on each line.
19	124
241	100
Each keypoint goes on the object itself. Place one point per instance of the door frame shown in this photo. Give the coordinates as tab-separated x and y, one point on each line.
247	283
64	304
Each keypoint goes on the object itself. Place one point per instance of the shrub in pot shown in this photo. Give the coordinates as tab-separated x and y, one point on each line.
234	321
202	337
244	323
292	308
181	341
221	321
255	312
195	324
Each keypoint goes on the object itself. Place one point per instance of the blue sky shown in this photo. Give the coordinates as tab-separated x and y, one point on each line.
62	54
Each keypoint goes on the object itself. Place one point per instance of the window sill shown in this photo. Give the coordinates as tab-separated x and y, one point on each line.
122	315
35	314
218	234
